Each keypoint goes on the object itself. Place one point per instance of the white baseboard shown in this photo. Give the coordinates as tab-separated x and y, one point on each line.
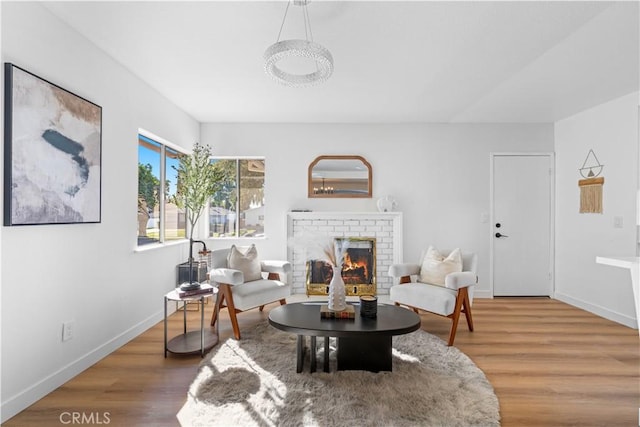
37	391
482	294
598	310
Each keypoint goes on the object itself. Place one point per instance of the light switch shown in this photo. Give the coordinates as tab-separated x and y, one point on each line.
484	217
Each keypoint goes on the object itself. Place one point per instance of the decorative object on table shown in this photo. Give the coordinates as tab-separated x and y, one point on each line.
203	289
197	180
431	385
368	306
386	204
591	185
333	251
337	290
318	56
199	273
52	153
349	312
450	290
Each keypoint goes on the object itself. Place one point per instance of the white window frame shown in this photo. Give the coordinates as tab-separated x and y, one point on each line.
164	144
237	207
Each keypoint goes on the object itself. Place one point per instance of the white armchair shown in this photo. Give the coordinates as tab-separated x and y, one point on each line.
455	297
246	287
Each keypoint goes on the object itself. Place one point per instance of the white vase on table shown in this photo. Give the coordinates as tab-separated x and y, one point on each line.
337	291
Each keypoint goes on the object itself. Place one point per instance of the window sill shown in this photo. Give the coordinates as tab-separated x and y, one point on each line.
154	246
239	238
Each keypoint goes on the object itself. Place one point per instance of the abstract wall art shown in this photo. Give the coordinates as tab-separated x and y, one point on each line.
52	153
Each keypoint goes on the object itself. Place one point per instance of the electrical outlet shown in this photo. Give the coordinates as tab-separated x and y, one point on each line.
68	330
617	222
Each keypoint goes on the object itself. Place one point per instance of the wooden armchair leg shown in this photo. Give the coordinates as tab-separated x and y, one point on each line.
456	315
218	306
467	309
261	308
228	296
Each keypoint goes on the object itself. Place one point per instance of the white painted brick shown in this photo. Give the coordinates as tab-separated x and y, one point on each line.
341	228
335	222
352	222
356	228
317	222
368	222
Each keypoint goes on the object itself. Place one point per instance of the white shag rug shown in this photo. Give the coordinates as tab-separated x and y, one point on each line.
253	382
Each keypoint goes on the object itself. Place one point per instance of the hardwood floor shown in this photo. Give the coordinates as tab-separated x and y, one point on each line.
550	364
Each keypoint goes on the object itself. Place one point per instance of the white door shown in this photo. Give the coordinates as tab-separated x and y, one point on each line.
521	226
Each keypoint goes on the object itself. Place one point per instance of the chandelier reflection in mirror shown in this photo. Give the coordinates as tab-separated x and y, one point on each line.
297	49
323	189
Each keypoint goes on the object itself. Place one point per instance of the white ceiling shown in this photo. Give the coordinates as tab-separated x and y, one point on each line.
395	62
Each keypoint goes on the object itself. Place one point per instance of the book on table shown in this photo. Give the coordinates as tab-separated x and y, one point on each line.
347	313
202	290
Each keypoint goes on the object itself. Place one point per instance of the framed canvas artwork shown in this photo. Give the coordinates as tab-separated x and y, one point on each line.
52	153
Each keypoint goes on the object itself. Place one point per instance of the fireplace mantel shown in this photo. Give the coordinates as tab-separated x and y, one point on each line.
385	227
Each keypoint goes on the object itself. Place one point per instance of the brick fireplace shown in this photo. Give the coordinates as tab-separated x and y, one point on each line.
385	228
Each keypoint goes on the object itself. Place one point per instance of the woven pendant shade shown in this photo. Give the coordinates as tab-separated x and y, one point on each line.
591	195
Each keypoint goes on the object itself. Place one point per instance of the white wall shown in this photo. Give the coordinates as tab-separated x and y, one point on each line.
85	272
439	174
611	130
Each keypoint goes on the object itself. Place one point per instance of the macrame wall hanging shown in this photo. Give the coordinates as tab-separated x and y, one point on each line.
591	185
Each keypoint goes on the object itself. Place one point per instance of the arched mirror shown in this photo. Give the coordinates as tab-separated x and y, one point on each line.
340	176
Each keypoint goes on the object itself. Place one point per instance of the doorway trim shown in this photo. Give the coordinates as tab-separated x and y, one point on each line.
552	216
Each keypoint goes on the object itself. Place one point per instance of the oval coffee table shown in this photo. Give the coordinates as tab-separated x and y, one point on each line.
363	343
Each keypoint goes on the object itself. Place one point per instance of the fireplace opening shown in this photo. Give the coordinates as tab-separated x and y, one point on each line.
358	269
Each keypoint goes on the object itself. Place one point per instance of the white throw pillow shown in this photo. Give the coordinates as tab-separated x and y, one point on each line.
435	266
248	263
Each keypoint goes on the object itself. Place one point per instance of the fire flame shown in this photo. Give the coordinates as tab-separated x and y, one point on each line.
350	265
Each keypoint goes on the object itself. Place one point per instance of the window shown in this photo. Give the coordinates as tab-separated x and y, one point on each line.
159	220
237	209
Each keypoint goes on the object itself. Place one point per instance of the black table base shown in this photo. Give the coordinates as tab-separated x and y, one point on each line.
366	353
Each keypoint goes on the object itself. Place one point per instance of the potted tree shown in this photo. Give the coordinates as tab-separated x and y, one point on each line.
197	181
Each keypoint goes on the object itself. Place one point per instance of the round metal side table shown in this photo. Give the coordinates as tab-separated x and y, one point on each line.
196	341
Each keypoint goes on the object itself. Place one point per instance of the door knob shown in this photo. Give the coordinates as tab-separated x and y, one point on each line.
499	235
